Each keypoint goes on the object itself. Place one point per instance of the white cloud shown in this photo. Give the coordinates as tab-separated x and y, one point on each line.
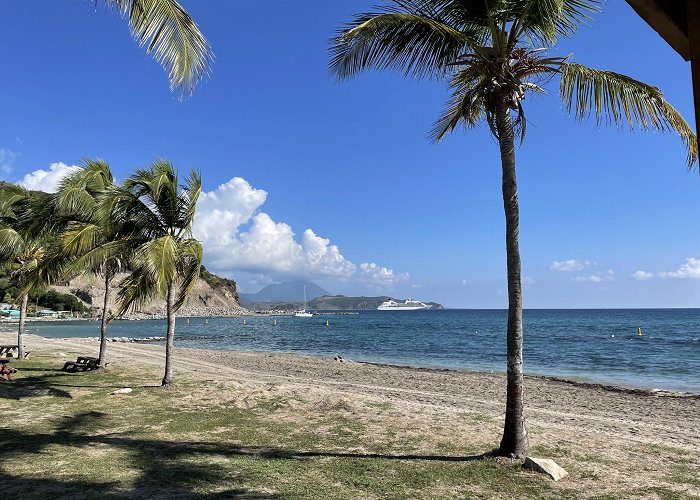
599	277
641	275
237	236
7	158
594	278
222	211
570	265
527	280
47	180
691	269
379	275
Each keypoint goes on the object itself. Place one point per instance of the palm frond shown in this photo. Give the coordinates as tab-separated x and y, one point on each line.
408	39
159	259
135	290
172	37
112	255
620	100
190	263
543	21
11	243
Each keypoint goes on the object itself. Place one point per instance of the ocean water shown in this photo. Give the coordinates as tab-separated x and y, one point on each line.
589	345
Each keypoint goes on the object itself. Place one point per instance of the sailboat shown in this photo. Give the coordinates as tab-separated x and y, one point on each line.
303	313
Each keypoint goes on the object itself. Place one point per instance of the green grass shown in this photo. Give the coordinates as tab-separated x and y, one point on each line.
66	435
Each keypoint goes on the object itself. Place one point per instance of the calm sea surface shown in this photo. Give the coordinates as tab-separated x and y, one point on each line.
593	345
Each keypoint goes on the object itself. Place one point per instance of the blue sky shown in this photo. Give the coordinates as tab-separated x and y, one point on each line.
387	211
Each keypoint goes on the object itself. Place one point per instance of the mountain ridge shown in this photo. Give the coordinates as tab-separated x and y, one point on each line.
289	291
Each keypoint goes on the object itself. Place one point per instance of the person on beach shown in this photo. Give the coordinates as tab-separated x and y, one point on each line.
5	370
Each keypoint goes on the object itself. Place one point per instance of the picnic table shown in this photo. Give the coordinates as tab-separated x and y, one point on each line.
82	364
9	350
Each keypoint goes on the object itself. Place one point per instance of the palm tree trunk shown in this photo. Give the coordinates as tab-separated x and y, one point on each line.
514	442
102	363
22	322
168	378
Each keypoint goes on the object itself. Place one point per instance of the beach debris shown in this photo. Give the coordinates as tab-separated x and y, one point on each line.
339	358
125	390
545	466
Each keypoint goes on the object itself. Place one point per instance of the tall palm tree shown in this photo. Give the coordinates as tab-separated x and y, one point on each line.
171	36
493	53
22	248
89	243
157	214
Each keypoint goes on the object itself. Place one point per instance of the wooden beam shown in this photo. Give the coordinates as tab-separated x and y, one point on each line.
693	11
657	14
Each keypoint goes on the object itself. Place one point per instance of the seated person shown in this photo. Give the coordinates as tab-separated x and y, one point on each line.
5	370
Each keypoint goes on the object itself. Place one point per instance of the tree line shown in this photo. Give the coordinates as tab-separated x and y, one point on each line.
142	227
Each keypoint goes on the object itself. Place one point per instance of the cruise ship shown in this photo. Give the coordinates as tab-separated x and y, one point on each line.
409	305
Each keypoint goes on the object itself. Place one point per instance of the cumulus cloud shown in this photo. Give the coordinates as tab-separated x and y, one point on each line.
379	275
570	265
691	269
7	158
593	278
599	277
47	180
222	211
236	235
641	275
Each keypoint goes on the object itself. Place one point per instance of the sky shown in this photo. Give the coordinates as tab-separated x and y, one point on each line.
337	183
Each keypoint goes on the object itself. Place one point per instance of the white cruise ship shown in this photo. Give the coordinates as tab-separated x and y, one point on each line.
409	305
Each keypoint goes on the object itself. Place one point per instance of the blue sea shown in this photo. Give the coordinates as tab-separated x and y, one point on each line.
589	345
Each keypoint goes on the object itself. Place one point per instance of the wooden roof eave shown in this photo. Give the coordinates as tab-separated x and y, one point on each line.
667	18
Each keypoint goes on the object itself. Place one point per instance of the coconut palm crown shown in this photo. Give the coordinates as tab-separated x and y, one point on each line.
156	216
493	53
89	243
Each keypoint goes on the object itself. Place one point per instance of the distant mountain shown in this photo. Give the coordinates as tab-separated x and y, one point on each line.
328	303
291	291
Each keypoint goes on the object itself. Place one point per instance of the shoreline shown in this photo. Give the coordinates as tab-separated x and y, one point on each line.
579	382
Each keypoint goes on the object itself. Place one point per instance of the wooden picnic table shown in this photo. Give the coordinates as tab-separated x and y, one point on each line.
82	364
9	350
87	359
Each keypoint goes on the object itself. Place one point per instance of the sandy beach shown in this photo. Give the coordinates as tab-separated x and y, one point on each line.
593	431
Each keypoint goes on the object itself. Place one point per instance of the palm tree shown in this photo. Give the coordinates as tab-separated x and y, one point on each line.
493	53
22	250
171	36
88	243
157	214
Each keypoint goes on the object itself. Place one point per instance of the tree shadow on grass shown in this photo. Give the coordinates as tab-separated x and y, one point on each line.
52	381
36	385
165	469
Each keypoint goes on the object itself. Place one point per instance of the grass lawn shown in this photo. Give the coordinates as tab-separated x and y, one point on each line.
65	435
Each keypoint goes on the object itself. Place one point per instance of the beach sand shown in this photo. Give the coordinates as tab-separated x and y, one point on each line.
607	438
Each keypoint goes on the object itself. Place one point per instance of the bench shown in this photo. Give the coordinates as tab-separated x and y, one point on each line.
82	364
9	350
